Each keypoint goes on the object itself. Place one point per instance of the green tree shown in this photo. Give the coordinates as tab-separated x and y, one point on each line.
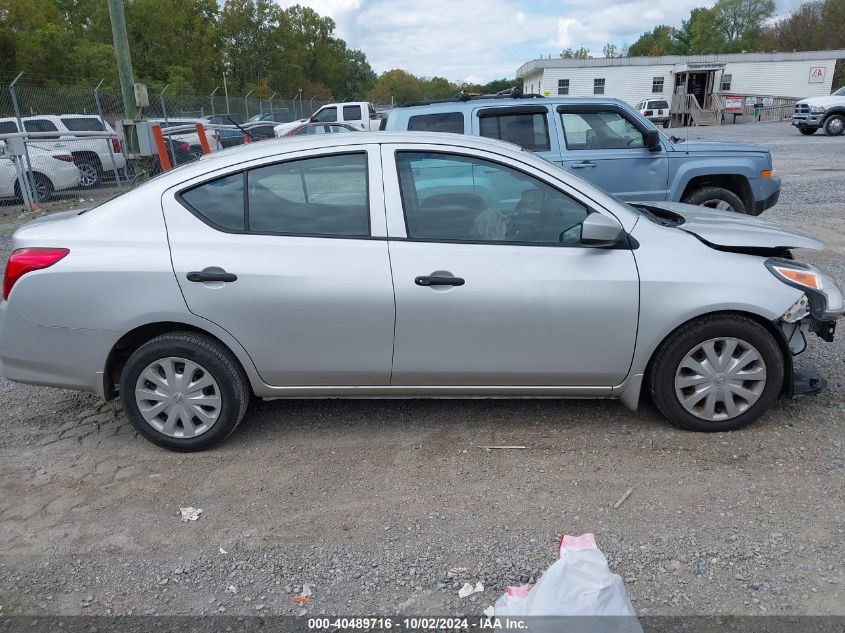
581	53
654	43
396	86
740	22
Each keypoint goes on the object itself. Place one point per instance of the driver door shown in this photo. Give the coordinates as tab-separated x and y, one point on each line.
605	146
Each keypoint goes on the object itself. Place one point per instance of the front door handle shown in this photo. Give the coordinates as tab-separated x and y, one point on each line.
584	164
212	275
436	280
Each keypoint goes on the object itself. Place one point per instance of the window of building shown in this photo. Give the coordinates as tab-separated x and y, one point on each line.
529	130
563	86
439	122
598	86
725	83
657	84
447	197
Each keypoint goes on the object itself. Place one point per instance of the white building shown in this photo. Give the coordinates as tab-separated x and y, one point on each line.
780	78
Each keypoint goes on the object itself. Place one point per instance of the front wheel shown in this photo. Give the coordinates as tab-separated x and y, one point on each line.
807	131
184	391
716	198
718	373
834	125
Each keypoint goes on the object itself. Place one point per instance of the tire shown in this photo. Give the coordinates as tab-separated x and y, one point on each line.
91	173
225	396
716	198
834	125
808	131
668	379
665	124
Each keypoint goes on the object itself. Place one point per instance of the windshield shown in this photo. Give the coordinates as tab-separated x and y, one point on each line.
840	92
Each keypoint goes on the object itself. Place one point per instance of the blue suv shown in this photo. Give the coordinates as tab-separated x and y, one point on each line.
609	143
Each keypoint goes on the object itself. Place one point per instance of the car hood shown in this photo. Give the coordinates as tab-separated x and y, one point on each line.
824	101
727	229
694	146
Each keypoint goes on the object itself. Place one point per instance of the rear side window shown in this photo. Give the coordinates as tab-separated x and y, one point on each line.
220	202
40	125
352	113
530	131
83	124
440	122
326	195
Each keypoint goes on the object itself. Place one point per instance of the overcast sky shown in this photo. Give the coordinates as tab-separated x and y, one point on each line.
481	40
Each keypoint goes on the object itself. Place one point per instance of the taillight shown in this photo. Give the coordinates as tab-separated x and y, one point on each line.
648	113
65	157
25	260
115	146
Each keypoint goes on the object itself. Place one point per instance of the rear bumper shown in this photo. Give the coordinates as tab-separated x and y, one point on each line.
53	356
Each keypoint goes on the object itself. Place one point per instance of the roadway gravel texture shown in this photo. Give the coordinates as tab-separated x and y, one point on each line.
386	507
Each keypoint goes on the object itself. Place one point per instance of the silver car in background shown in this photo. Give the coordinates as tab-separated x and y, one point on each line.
404	265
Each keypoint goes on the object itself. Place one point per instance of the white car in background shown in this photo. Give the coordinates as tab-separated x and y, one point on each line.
655	110
52	171
93	156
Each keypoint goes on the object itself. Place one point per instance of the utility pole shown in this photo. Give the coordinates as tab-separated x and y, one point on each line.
124	59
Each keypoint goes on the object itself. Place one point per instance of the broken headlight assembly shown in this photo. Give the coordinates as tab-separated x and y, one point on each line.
822	292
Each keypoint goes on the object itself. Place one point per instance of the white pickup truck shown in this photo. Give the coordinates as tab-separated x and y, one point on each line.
826	113
359	114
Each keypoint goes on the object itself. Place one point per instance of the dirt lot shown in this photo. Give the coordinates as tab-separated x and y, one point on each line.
373	503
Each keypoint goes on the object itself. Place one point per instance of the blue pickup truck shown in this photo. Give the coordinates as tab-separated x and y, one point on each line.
609	143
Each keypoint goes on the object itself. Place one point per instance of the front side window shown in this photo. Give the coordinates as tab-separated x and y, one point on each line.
8	127
528	130
657	84
439	122
725	83
447	197
326	115
352	113
325	195
219	202
563	86
598	86
600	129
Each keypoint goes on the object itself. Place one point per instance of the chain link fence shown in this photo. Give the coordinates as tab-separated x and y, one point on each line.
60	142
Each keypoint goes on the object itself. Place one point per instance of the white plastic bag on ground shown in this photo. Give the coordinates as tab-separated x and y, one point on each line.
579	583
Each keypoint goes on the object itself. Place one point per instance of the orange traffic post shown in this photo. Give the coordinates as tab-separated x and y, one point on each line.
162	150
203	139
246	139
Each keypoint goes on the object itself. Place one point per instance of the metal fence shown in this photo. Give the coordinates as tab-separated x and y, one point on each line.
60	142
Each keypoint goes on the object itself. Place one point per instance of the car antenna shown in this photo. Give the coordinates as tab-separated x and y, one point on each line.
251	138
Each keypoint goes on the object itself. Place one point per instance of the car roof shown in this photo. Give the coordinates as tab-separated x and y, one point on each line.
498	102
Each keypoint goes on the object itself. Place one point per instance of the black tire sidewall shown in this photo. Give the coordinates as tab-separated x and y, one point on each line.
833	117
703	194
662	375
807	131
183	346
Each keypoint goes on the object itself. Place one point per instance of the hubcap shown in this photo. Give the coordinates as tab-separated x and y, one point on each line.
41	191
178	397
720	379
715	203
836	126
88	174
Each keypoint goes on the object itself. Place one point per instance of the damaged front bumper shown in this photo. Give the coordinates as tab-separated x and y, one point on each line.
795	324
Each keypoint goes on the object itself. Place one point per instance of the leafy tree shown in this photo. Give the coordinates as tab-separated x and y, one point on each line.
397	86
581	53
611	50
740	22
657	42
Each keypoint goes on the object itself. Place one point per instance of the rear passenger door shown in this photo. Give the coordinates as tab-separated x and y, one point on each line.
301	242
606	145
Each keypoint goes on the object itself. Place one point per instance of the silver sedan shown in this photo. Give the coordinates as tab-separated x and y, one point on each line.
404	265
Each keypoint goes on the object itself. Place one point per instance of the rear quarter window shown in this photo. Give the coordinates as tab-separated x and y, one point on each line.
441	122
219	202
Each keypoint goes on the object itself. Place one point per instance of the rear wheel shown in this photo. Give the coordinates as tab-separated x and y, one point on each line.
716	198
719	373
42	188
90	172
184	391
807	131
665	124
834	125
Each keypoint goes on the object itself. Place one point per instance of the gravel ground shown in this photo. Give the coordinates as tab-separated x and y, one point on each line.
385	507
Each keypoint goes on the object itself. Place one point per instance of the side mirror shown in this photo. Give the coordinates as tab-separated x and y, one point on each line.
312	119
652	140
600	231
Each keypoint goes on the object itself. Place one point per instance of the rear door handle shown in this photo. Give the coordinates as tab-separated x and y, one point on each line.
212	275
439	281
584	164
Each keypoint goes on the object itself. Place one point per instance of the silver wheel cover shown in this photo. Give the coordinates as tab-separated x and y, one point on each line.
716	203
178	397
720	379
835	126
88	174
